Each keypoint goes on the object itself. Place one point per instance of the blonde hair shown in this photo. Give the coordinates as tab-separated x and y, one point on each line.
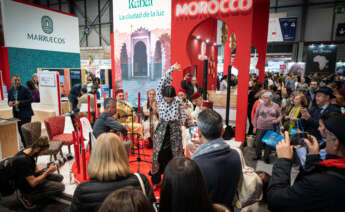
303	98
220	208
109	158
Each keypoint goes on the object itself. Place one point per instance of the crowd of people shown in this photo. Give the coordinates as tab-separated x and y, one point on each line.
308	111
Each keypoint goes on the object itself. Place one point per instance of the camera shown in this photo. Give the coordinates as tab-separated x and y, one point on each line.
298	138
61	161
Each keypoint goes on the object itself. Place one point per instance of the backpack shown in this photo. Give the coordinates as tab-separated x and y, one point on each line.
8	175
249	189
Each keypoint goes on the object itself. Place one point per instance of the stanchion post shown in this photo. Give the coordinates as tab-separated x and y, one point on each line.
139	107
81	134
84	162
88	108
96	107
76	151
126	97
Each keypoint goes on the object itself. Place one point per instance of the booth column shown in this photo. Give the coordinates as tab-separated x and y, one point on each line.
259	35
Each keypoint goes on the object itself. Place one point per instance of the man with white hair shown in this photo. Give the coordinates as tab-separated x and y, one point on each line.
267	115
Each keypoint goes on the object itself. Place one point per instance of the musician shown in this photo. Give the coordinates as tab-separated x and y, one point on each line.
197	101
207	105
106	122
188	106
123	107
167	138
151	116
125	114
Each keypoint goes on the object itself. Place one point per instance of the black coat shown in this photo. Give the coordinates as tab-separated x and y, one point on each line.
222	171
105	122
89	196
25	99
311	125
315	189
189	88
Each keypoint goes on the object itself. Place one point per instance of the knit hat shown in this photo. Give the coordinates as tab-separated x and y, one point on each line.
207	104
119	91
182	90
336	126
195	96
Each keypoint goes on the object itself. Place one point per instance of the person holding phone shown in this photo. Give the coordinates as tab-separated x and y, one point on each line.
310	118
190	84
318	187
36	183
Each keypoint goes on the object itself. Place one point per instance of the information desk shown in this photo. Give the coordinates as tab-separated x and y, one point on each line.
9	138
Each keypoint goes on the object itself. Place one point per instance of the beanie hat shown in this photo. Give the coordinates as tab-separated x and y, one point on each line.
195	96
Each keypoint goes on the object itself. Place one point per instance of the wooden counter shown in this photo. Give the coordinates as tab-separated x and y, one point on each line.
9	138
219	98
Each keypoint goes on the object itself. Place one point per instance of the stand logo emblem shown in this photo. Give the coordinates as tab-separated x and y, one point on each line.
47	24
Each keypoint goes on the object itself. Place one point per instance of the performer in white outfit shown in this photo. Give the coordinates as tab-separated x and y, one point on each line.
151	117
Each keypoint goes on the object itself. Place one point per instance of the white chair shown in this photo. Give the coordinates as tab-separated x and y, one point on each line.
87	131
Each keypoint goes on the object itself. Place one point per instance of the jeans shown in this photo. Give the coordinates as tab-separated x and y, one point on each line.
260	145
51	186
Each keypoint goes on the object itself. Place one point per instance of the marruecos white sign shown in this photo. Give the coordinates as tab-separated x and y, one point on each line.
30	27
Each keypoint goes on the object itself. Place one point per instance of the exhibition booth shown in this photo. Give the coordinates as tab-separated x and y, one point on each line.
38	37
191	33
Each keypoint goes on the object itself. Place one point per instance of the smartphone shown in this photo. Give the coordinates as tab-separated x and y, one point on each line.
194	135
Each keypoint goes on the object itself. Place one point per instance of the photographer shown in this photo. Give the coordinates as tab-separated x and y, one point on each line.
311	117
321	185
36	183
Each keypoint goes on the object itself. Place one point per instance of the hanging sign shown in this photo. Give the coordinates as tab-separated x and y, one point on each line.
288	28
341	29
212	7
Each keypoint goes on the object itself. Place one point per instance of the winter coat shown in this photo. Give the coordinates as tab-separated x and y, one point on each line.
221	167
89	196
316	188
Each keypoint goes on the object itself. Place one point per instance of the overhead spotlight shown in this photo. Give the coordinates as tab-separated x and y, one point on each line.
332	45
214	44
321	45
207	40
198	37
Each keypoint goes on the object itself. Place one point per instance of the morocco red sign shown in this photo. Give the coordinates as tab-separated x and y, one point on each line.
212	7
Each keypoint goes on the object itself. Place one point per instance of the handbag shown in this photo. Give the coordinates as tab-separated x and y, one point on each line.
249	189
272	138
141	183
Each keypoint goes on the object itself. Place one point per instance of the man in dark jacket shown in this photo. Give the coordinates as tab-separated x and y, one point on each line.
318	187
73	96
20	98
105	122
191	87
310	94
219	164
311	118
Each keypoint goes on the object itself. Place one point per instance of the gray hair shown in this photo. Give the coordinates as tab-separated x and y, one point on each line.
108	102
210	124
268	94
